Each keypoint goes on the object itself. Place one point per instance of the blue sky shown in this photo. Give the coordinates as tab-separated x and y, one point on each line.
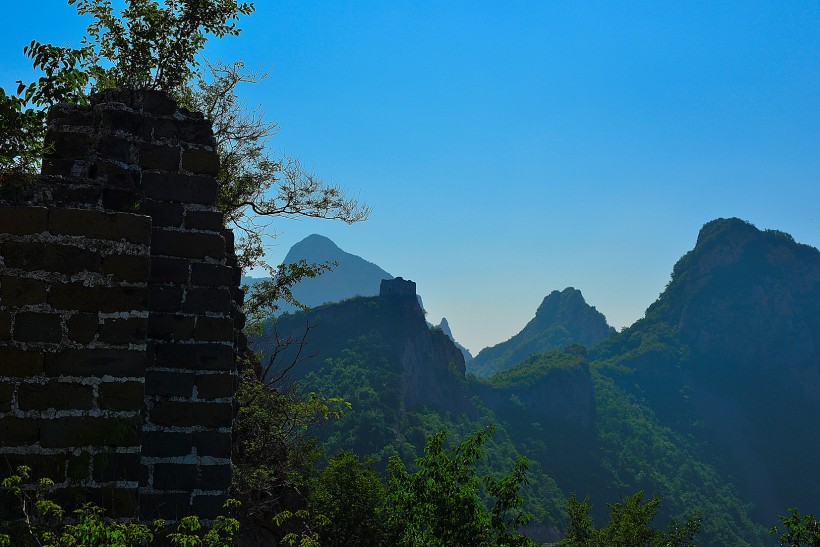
512	148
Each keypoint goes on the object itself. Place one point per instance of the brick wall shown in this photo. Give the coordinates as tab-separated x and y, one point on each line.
119	311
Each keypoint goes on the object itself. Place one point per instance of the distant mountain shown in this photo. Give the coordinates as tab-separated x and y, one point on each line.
445	328
562	319
729	354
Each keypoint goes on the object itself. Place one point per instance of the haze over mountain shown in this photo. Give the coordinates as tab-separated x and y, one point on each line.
730	354
445	327
562	319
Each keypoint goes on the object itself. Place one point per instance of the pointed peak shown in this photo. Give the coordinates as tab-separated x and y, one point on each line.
317	241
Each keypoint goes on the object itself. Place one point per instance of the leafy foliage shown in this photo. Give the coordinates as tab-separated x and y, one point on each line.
799	530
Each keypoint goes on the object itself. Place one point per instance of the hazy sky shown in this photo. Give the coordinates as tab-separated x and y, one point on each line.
512	148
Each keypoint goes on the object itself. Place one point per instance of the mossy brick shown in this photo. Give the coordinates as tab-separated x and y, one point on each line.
21	291
6	394
169	270
212	443
18	431
96	363
82	327
70	145
19	220
169	384
213	329
188	414
128	268
201	162
38	327
180	188
123	331
195	356
79	467
165	298
175	476
121	395
215	386
207	299
210	275
115	467
170	326
159	157
18	363
76	296
187	244
56	395
121	199
164	505
76	431
50	257
209	506
158	103
167	444
101	225
204	220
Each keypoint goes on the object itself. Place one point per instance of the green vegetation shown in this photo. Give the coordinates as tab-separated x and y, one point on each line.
537	366
798	530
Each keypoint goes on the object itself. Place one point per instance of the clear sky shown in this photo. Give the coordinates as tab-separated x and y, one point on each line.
512	148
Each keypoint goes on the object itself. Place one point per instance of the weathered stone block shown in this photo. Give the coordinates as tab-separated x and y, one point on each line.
195	356
121	395
197	132
130	268
201	162
116	149
101	225
50	257
76	296
213	329
209	506
166	443
17	291
79	467
160	157
187	244
121	199
72	431
132	330
23	220
56	395
165	298
169	270
204	220
213	443
96	362
210	275
51	466
6	393
121	120
18	431
170	327
202	299
155	505
174	476
178	187
169	384
215	386
16	362
116	175
67	145
157	102
165	213
117	467
38	327
82	327
187	414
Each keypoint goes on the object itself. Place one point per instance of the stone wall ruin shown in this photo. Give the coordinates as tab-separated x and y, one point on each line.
119	311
